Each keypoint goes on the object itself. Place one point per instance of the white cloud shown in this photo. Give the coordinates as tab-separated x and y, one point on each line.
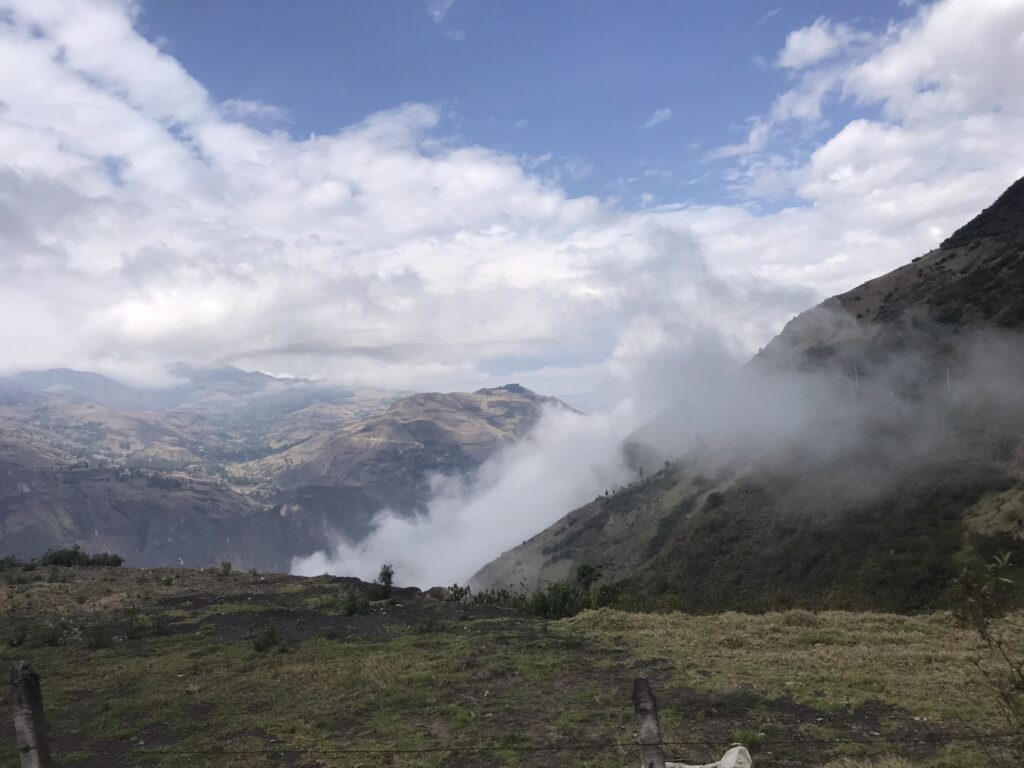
812	45
256	111
141	222
519	492
438	9
658	116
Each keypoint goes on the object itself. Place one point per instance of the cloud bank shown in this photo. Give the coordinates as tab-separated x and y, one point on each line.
143	222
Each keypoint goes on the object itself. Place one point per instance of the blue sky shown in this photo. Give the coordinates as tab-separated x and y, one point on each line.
450	194
576	79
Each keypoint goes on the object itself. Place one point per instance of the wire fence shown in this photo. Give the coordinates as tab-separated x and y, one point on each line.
34	741
989	739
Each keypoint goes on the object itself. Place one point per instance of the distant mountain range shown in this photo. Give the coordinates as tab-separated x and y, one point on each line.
226	464
861	459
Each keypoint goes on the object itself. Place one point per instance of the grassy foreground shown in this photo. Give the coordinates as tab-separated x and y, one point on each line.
198	668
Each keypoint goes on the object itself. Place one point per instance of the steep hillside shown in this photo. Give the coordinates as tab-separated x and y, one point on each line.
878	450
975	279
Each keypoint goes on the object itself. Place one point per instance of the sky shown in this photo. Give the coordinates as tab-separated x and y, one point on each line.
449	194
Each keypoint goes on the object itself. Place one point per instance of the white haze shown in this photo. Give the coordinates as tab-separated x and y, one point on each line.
518	492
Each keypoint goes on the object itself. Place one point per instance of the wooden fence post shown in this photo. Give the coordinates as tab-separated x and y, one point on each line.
29	718
648	730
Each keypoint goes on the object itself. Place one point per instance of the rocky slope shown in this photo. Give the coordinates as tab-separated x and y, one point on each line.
880	451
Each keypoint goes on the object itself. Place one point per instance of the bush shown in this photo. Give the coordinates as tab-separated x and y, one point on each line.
97	636
49	634
430	625
159	623
559	599
354	602
457	594
17	637
267	639
225	568
74	556
986	596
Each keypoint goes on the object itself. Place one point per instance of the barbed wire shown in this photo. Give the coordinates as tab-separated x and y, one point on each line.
990	738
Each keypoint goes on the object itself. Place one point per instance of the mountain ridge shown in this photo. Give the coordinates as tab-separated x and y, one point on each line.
210	472
908	464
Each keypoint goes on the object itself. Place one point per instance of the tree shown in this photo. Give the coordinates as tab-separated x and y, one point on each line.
386	577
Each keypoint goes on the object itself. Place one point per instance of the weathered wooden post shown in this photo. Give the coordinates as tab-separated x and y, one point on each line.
648	731
29	717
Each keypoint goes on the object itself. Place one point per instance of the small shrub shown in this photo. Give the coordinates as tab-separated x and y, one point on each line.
159	623
457	594
225	568
267	639
50	635
96	636
132	622
431	625
354	602
18	637
986	598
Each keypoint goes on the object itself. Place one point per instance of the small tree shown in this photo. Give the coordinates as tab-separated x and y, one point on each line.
386	578
986	600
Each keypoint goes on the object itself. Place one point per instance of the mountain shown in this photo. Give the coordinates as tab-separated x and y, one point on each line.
227	464
82	387
389	457
868	453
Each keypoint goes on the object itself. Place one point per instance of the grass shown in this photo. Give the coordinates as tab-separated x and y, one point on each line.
421	674
919	663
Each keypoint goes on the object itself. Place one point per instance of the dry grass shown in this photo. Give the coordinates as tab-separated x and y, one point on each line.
722	678
829	659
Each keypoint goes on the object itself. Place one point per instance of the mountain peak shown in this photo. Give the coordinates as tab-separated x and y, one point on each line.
515	389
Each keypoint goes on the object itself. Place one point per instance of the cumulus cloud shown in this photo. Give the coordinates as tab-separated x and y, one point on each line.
143	222
812	45
658	116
